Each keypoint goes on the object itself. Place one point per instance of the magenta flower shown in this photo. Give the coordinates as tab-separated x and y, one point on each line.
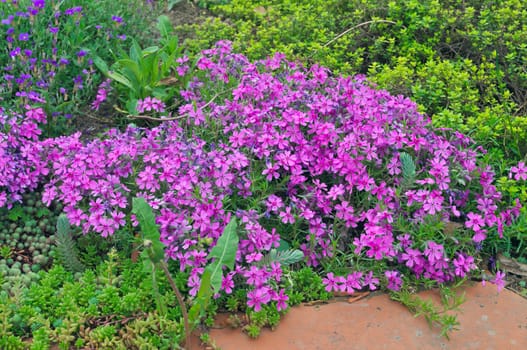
519	171
394	280
281	300
150	104
257	297
475	221
286	216
499	280
333	283
352	283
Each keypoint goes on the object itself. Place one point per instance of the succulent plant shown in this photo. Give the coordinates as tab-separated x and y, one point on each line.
27	236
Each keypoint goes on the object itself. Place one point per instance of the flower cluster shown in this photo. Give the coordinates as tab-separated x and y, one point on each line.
102	94
22	160
150	104
298	155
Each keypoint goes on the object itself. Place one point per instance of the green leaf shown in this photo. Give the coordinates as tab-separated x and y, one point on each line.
284	245
225	253
164	26
136	53
225	249
149	229
134	67
121	79
408	166
99	63
15	213
285	257
150	50
202	299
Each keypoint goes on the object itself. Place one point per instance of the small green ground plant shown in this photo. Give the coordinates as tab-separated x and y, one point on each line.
108	308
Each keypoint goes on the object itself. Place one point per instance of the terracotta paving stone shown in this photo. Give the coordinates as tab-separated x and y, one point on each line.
488	321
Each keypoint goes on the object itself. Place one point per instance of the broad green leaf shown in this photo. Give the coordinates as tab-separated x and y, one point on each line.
284	245
164	26
225	249
202	299
134	67
225	253
150	50
99	63
146	218
284	257
408	166
121	79
136	53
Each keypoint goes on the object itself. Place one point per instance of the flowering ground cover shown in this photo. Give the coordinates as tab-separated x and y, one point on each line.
242	184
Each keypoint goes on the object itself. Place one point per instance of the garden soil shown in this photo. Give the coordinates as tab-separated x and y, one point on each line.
488	320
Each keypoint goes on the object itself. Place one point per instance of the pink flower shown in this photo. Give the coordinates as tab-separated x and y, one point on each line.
352	283
150	104
227	284
499	280
332	282
519	171
281	300
394	280
257	297
475	221
287	216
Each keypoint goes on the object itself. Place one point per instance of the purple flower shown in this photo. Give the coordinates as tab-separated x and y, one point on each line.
23	36
499	280
519	172
394	280
281	300
117	19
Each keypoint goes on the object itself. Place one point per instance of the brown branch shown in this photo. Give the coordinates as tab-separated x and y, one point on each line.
353	28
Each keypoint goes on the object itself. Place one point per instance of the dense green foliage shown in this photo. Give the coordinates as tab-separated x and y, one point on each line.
108	308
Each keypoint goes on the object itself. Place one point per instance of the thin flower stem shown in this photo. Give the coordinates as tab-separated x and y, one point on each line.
181	304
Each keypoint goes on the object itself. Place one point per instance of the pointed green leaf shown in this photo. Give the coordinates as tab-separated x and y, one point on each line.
225	253
99	63
164	26
225	249
136	53
146	218
121	79
202	299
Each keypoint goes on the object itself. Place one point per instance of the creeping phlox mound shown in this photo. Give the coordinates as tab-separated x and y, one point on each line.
323	163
